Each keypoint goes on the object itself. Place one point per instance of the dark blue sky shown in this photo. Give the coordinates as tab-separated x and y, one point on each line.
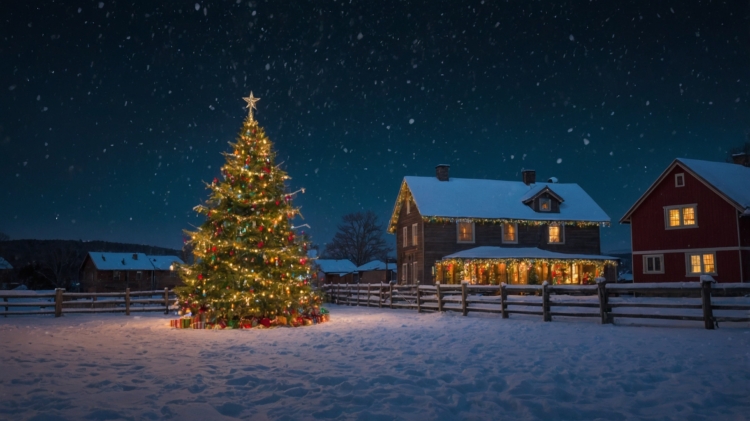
113	113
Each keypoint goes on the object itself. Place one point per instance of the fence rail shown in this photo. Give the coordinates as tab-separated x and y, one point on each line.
604	301
61	302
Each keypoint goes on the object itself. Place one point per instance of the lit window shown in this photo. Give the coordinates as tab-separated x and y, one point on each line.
701	263
414	241
555	233
545	204
406	236
681	216
653	264
679	180
509	233
465	232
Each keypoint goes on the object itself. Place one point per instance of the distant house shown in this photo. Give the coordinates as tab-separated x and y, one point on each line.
331	271
376	272
491	231
693	220
103	272
5	269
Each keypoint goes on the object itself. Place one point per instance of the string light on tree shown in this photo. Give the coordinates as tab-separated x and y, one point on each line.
249	262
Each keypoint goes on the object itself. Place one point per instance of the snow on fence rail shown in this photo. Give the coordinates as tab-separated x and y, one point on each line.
696	301
60	302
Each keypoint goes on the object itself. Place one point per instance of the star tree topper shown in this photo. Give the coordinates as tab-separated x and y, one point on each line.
251	100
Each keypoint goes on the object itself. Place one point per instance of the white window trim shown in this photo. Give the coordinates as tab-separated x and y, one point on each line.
458	232
414	232
515	228
562	233
645	264
403	272
682	221
679	180
414	272
703	272
549	201
406	236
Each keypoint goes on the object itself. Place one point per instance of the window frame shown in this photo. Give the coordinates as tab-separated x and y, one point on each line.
679	179
546	200
681	208
702	255
414	272
116	275
653	256
414	234
458	232
404	269
561	233
138	275
405	234
515	234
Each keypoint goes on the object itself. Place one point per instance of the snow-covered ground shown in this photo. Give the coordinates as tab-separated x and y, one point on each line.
372	364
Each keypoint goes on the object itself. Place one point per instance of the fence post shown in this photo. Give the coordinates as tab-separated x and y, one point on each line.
368	294
359	289
503	300
380	295
601	284
166	301
419	302
93	300
545	302
439	297
708	311
464	308
58	301
127	301
390	291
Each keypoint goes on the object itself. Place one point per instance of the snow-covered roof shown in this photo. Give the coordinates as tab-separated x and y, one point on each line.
120	261
729	180
4	264
164	262
491	252
336	266
496	199
375	265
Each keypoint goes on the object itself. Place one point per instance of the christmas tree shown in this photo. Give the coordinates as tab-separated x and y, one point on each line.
248	261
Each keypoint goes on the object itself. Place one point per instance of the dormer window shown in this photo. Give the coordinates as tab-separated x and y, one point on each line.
679	180
545	204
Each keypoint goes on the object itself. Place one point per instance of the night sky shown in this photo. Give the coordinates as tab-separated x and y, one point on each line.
114	113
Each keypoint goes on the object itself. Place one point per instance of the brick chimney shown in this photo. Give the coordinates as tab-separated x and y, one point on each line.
441	172
529	176
741	158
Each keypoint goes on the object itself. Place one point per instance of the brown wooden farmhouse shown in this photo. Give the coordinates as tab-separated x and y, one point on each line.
491	231
112	272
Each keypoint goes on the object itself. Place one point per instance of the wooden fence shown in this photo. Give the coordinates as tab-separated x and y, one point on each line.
60	302
603	301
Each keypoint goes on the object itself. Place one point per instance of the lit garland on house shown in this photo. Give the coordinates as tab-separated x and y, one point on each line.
468	269
404	194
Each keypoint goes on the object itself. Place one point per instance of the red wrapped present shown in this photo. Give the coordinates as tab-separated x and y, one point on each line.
266	322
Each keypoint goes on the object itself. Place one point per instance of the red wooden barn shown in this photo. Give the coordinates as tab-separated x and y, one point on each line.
693	220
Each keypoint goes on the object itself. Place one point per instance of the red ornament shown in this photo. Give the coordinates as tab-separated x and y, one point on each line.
277	203
260	245
214	248
260	228
200	276
302	261
267	170
216	180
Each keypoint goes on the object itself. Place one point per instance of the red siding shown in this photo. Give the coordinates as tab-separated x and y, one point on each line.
717	227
